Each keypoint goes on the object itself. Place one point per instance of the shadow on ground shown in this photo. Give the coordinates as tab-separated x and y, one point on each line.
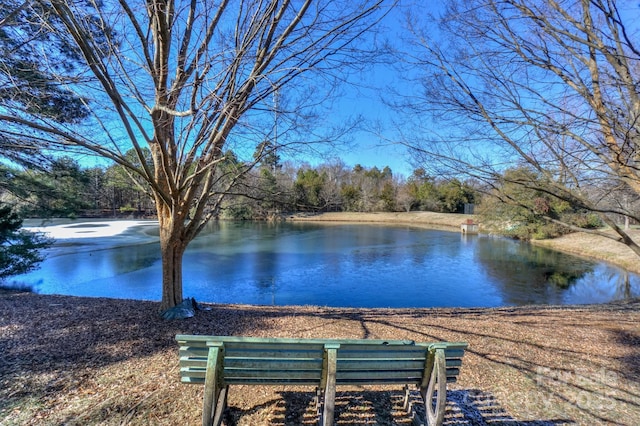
464	408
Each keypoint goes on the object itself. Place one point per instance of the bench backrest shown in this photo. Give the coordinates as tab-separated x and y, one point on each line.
302	361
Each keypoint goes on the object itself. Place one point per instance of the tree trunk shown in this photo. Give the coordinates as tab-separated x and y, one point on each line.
172	248
171	274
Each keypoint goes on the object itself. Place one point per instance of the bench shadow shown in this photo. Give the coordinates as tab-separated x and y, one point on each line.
610	385
632	359
478	408
467	407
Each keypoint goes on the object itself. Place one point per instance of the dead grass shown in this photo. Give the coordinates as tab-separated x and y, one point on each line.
423	219
597	247
79	361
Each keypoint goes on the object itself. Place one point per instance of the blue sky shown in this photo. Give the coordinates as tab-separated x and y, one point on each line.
365	98
375	147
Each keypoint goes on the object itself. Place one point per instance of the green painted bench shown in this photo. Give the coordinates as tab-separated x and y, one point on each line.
221	361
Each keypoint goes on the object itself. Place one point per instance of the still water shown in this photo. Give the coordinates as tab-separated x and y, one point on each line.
348	265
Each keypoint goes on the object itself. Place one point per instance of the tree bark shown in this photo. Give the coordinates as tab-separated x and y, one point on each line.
172	248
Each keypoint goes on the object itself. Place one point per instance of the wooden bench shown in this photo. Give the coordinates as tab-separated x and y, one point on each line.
221	361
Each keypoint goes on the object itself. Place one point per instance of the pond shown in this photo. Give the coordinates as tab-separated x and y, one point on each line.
340	265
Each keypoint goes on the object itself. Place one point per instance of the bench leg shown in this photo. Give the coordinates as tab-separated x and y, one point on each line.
406	403
221	405
434	394
319	405
215	395
329	394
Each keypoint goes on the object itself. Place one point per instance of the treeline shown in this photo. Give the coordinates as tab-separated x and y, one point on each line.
270	189
65	189
274	188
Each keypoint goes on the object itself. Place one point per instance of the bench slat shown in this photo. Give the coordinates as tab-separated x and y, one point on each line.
454	353
293	381
300	382
287	353
273	353
274	376
266	364
297	363
311	377
230	340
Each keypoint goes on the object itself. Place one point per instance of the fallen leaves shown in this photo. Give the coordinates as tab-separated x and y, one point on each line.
77	361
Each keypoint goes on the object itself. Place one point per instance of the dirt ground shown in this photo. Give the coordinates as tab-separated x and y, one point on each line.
92	361
78	361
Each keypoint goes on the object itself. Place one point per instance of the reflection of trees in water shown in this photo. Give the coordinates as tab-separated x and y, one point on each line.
529	274
133	258
563	279
623	290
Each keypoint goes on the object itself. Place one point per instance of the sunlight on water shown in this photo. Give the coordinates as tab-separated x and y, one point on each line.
89	229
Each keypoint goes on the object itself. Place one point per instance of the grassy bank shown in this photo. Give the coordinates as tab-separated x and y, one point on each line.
447	220
597	247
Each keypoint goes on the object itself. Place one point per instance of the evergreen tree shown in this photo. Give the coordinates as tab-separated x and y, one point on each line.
20	249
27	42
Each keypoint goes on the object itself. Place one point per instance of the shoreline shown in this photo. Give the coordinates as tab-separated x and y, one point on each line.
581	244
447	220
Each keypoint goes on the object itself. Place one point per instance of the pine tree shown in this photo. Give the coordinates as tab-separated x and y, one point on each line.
27	85
20	249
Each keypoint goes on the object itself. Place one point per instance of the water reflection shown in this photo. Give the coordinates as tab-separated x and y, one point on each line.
335	265
530	274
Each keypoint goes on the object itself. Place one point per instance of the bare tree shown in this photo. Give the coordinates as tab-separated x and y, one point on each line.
547	84
193	81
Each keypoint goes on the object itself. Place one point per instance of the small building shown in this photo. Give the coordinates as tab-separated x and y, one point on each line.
469	227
